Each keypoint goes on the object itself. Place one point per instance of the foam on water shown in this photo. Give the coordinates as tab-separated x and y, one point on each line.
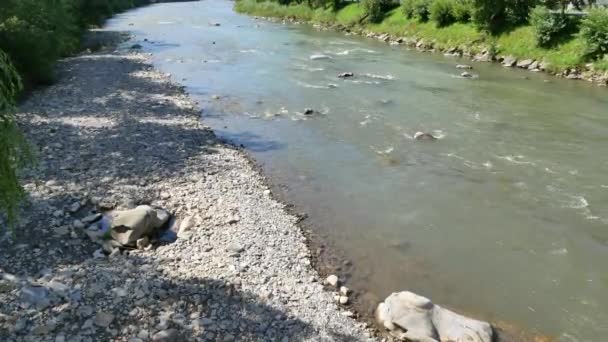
381	77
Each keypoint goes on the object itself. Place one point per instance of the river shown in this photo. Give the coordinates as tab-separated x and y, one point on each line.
504	217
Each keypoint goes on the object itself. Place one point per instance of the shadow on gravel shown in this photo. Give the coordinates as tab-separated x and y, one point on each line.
142	299
110	128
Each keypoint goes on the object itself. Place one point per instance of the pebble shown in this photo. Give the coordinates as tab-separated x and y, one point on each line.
103	319
332	280
170	335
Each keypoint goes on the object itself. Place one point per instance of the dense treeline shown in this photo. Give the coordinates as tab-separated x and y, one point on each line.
549	18
33	35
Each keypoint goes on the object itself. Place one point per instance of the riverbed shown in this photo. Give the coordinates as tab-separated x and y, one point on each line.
503	217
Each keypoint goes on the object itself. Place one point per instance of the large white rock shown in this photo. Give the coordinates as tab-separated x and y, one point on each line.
130	225
411	317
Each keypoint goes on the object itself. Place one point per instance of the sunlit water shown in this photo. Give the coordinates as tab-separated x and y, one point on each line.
504	217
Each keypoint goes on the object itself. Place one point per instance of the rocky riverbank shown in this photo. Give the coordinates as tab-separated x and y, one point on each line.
113	134
586	73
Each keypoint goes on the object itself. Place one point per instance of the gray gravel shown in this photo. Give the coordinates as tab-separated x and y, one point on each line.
113	133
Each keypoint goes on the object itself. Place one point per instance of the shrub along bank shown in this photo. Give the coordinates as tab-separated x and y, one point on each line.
540	30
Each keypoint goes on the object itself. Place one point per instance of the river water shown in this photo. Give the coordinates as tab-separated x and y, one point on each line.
504	217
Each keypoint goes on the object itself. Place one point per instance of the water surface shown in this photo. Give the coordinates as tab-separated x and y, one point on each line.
504	217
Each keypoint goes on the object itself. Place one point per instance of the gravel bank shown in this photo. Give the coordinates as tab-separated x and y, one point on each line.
113	133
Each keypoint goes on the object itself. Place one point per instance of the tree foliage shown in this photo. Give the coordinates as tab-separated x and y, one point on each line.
14	151
548	26
442	12
594	30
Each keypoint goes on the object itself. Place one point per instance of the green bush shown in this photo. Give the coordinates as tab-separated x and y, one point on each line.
548	27
418	9
594	30
14	151
375	9
495	15
462	10
442	12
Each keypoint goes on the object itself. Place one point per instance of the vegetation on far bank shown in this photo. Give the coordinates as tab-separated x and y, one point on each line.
529	29
34	34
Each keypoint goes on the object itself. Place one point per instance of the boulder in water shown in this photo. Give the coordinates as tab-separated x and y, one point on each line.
464	66
509	61
411	317
346	74
309	111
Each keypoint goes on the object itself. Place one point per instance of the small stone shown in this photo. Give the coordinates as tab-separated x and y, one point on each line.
187	224
466	75
144	334
103	319
63	230
98	254
142	243
36	296
235	248
58	213
266	192
20	324
78	224
169	335
343	300
136	46
344	290
464	66
91	218
75	207
332	280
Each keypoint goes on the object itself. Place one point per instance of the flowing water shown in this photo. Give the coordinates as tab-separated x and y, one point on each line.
504	217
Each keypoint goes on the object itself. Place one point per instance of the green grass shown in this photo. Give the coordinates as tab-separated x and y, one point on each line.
457	35
350	15
519	42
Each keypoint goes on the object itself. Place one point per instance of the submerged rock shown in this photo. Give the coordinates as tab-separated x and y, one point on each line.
346	74
464	66
424	136
128	226
411	317
466	75
319	57
309	111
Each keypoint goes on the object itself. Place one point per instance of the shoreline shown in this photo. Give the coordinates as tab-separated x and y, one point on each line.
599	78
115	133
